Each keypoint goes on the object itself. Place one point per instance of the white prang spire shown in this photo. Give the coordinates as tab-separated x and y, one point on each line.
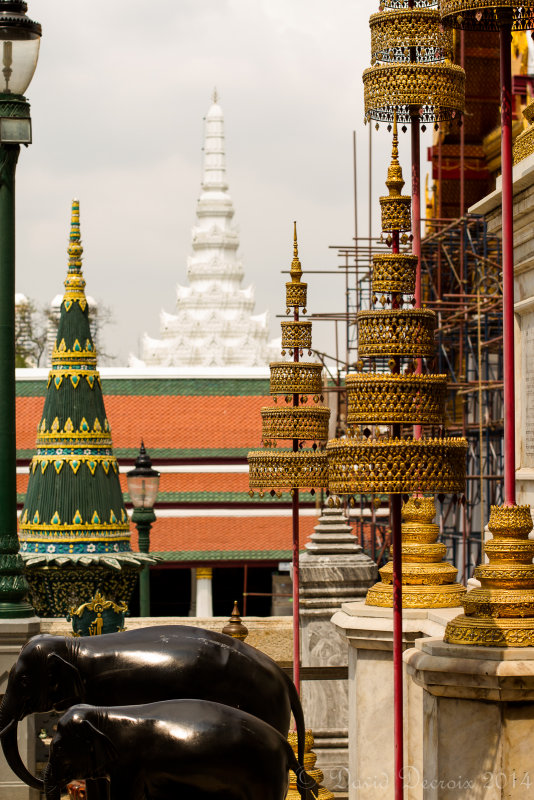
213	324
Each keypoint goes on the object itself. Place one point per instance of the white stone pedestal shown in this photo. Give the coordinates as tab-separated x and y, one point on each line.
13	634
369	631
477	723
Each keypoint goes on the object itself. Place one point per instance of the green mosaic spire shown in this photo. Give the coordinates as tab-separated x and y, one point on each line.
74	516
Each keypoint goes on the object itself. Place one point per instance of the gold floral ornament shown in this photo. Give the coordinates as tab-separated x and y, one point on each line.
395	466
295	423
395	36
394	273
387	399
396	332
287	470
411	75
427	580
501	612
487	15
290	377
302	467
310	759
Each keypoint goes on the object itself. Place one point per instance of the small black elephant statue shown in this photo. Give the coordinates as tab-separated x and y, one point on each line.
188	748
144	665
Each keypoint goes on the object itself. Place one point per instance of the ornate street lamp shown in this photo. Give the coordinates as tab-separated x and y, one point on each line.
19	49
143	485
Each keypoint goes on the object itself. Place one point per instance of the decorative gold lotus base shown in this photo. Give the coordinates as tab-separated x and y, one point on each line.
427	580
448	596
309	765
490	632
501	612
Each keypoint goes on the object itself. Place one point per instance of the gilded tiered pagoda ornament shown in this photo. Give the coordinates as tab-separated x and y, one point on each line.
74	531
380	453
411	74
301	419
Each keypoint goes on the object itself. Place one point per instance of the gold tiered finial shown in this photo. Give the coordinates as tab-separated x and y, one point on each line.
390	462
74	282
309	765
75	250
501	612
396	208
427	580
395	181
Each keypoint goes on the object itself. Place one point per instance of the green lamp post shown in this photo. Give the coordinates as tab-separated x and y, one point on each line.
143	485
19	50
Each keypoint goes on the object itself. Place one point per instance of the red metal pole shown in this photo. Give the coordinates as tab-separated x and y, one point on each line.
296	583
396	525
296	561
507	264
416	205
395	501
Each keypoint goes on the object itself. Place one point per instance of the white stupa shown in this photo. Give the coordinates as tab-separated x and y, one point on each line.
214	324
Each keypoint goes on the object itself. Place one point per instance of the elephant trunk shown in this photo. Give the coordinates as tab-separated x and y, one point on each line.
51	785
11	752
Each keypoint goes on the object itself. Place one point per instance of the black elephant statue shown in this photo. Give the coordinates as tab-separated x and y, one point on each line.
144	665
188	748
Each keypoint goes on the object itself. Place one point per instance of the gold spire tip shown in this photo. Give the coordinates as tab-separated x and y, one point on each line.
75	247
395	181
215	95
296	267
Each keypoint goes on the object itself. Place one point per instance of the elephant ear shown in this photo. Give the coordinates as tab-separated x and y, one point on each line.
101	749
66	685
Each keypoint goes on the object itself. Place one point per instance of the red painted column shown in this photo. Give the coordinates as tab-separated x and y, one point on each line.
507	265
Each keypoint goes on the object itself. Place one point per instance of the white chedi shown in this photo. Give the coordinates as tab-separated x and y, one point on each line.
214	324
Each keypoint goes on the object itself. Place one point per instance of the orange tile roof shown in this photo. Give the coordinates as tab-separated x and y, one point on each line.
185	422
224	533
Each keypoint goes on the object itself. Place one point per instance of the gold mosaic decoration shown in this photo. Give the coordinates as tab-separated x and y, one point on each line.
501	612
294	423
394	273
487	15
300	468
524	144
310	759
396	332
422	564
386	399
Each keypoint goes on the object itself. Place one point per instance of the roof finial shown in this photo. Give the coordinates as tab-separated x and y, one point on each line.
75	247
395	181
215	95
296	267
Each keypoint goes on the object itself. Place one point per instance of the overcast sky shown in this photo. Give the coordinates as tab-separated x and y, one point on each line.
118	101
